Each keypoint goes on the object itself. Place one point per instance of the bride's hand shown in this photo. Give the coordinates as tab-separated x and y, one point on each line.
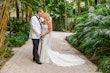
42	35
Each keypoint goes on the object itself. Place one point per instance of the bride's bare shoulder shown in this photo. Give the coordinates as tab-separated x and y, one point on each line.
49	22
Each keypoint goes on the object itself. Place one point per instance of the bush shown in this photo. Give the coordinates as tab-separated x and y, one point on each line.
18	32
16	40
16	25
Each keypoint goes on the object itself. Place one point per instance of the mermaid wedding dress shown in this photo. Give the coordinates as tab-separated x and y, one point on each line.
49	56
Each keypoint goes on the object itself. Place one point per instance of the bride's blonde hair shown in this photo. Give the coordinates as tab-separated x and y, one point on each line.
47	16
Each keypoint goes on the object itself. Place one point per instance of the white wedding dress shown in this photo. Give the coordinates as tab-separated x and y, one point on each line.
49	56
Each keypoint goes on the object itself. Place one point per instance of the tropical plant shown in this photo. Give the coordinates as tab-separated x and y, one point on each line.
105	65
16	25
92	37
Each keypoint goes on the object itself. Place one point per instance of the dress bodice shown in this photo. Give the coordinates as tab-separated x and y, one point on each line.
44	28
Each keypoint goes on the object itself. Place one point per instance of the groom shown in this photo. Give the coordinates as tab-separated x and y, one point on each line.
35	33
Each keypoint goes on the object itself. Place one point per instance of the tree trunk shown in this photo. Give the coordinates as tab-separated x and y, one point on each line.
96	1
17	9
86	3
75	10
65	16
27	14
4	18
22	11
79	9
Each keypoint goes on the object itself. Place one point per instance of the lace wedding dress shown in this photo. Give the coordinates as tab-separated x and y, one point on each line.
49	56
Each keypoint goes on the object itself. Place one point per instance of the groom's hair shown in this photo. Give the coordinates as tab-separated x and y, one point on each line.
39	10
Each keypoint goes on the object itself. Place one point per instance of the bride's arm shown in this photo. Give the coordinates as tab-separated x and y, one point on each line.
49	29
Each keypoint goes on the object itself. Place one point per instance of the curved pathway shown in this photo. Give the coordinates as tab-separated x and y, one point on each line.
22	62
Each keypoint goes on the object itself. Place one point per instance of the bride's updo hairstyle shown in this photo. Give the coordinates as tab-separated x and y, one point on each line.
47	16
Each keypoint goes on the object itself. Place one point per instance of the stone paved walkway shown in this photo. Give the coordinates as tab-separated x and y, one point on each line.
22	62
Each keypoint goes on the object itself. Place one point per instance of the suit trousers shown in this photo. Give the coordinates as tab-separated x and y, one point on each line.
35	49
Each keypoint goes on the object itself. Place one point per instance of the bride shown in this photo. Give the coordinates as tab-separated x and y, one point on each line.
47	55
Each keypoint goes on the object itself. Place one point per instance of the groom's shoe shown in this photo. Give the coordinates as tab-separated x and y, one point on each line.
38	62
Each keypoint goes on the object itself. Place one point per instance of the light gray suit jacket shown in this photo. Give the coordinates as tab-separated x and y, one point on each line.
35	30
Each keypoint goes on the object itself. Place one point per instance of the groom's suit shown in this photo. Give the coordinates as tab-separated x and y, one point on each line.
35	32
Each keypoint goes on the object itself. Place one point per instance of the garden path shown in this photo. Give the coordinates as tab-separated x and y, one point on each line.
22	62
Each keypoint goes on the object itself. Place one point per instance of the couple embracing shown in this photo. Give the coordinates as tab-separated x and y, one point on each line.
41	28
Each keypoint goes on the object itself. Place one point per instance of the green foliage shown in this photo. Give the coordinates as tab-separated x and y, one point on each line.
5	52
16	40
58	9
18	33
105	65
8	52
16	25
92	36
71	40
